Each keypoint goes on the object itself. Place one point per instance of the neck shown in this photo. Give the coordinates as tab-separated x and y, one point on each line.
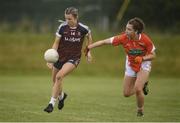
74	24
135	37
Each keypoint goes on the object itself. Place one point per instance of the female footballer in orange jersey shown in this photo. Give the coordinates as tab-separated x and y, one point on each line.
140	51
68	42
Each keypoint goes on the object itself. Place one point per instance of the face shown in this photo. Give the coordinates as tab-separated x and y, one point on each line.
70	20
130	31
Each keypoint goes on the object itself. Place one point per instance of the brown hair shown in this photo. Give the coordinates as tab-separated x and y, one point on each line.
72	10
138	24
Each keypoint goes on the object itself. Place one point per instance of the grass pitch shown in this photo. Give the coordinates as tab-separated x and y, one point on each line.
23	98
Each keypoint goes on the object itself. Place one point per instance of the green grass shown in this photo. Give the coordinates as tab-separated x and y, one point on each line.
89	99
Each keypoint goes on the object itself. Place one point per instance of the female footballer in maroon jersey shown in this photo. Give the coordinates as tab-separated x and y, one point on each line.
68	42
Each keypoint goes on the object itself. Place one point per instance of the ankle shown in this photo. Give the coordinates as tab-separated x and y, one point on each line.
52	101
61	96
140	110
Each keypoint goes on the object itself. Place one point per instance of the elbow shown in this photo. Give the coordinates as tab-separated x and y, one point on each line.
153	56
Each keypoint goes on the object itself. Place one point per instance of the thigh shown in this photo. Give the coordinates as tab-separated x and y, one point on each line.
128	83
142	77
66	69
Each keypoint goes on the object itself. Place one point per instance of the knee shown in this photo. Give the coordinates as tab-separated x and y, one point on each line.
126	94
54	79
59	77
138	90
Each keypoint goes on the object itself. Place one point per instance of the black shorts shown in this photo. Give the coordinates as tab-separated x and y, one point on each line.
59	64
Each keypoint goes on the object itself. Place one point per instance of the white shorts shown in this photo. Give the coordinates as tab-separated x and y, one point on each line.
146	65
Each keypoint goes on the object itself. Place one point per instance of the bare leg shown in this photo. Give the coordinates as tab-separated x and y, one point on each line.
58	76
57	88
142	77
128	85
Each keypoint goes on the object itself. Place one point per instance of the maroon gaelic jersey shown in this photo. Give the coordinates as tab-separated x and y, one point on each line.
71	41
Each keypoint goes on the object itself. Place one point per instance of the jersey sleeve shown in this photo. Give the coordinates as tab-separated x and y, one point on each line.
150	46
117	40
59	31
88	31
85	29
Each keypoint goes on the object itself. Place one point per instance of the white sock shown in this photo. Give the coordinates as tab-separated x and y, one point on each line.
53	101
61	96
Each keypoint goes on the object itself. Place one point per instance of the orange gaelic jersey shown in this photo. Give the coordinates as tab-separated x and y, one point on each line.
134	48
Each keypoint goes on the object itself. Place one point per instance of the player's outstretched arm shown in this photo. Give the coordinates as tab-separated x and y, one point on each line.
100	43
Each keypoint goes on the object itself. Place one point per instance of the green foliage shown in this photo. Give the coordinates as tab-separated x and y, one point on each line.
160	14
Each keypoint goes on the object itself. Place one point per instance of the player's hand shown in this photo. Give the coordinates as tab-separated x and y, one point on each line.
86	50
138	59
89	57
49	65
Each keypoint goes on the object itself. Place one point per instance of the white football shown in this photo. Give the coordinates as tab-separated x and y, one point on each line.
51	56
